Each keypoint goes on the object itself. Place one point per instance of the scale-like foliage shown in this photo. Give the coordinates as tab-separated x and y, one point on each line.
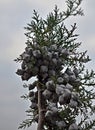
64	90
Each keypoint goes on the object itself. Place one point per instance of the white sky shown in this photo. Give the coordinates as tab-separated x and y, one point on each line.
14	15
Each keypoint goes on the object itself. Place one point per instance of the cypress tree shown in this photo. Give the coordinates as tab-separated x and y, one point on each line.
62	95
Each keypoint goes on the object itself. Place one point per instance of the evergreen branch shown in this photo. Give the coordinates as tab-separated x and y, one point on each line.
25	124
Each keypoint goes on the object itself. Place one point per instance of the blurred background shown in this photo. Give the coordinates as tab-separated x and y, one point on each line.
14	16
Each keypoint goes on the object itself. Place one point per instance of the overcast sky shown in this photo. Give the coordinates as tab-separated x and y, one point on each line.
14	15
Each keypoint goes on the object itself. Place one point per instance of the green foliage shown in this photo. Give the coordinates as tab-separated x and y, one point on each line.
26	123
52	48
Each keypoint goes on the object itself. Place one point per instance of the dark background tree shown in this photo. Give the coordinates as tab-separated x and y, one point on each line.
64	89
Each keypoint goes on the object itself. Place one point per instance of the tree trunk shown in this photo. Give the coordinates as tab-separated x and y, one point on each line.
41	109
